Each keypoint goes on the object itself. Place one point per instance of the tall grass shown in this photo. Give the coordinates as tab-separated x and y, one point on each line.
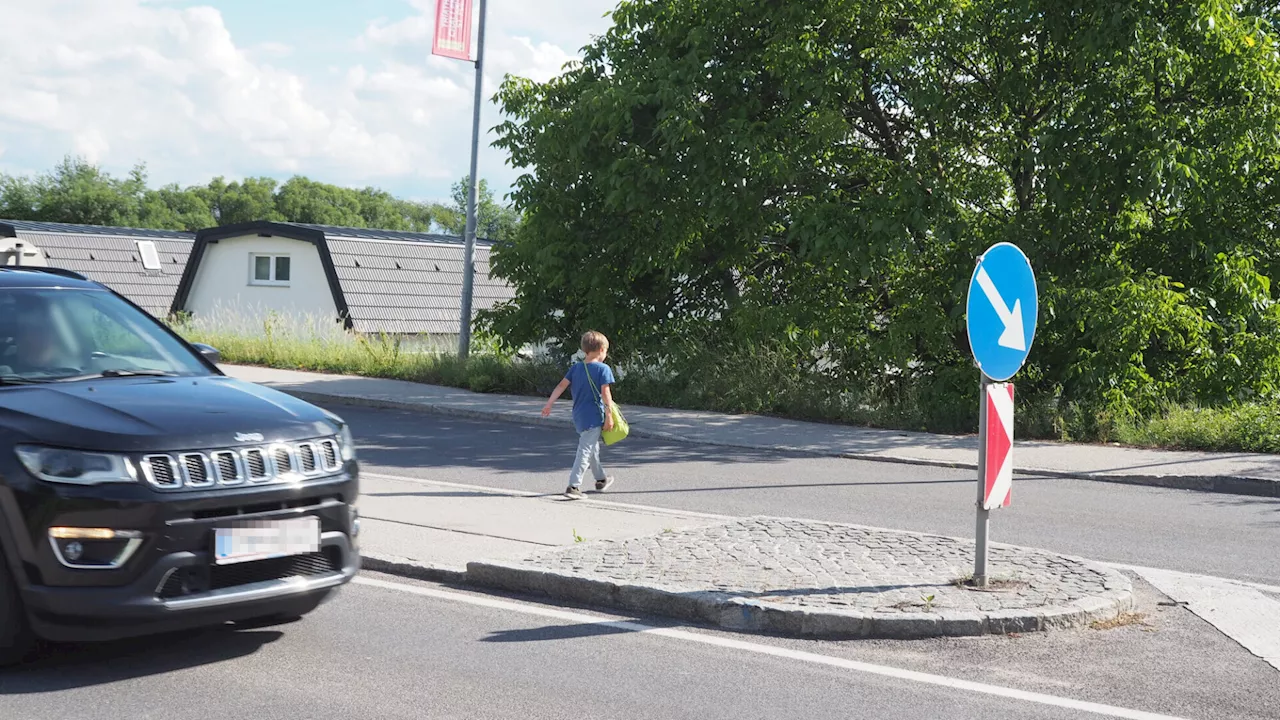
299	341
255	336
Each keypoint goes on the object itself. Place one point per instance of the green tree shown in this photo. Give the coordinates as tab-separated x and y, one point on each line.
308	201
240	202
494	221
817	177
172	207
77	191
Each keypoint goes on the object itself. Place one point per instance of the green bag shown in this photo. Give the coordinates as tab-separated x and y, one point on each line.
620	427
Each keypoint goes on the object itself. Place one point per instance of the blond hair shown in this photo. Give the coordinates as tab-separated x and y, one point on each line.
594	342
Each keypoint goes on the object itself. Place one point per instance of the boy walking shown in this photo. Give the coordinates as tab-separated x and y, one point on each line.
590	380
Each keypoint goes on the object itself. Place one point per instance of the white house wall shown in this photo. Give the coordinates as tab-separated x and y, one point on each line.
223	280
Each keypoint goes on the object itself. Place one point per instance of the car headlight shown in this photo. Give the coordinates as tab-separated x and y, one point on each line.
76	467
347	443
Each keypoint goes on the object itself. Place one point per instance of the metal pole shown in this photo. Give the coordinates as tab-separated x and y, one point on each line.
469	239
984	515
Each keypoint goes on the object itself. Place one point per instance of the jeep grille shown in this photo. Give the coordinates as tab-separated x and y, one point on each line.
280	463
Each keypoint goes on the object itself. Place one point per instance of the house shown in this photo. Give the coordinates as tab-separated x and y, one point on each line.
143	265
371	281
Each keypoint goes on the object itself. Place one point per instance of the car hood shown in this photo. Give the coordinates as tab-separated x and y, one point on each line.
143	414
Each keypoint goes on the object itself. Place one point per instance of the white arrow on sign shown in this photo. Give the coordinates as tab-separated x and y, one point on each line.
1013	336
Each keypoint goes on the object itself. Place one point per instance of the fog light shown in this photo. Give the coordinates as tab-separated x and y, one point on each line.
355	522
93	548
73	550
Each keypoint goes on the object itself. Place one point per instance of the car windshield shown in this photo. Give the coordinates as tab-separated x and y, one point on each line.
50	335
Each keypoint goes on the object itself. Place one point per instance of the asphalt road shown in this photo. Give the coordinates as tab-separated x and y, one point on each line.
1214	534
383	652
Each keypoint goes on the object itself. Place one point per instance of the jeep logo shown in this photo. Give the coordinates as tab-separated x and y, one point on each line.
249	437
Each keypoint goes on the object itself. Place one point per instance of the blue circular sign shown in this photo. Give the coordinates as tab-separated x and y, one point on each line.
1002	311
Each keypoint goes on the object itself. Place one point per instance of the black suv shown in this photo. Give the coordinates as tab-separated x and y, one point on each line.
141	490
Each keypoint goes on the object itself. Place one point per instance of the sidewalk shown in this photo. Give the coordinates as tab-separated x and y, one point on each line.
1236	473
793	577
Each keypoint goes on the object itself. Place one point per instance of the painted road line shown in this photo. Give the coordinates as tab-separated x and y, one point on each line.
554	497
1138	569
769	650
1243	614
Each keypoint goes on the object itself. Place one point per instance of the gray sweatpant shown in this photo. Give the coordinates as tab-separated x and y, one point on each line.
588	455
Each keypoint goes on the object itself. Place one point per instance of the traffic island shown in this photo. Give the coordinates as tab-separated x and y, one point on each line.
804	578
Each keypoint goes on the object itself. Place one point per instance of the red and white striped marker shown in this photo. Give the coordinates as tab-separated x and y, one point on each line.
998	480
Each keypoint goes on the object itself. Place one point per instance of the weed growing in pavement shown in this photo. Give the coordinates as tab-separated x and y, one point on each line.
928	602
578	538
995	584
1121	620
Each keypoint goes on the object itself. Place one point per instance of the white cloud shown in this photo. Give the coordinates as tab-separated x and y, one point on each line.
120	81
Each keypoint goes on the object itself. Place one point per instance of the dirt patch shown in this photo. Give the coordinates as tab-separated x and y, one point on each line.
1121	620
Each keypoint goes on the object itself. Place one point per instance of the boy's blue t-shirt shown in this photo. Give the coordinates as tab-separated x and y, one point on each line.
588	405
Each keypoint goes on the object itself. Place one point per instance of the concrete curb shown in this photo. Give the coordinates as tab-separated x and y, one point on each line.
1224	484
748	615
412	569
741	614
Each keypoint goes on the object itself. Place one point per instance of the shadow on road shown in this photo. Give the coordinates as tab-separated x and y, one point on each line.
65	667
391	439
556	632
396	438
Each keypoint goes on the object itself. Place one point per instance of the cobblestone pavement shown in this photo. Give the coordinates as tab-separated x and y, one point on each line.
820	564
850	572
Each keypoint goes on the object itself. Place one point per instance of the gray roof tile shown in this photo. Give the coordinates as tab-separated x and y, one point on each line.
69	229
113	260
332	232
397	287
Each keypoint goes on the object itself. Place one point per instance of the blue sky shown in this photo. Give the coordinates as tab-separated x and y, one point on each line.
341	91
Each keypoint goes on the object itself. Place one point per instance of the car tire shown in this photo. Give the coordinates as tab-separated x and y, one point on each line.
16	639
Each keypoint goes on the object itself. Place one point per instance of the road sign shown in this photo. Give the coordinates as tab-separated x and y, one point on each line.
998	462
1002	311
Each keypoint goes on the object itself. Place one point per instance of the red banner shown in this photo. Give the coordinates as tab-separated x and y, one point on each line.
453	29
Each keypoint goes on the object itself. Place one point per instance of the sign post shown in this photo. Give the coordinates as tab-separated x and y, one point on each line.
1002	310
453	40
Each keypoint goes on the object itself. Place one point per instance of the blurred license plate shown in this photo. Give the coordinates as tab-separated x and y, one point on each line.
267	539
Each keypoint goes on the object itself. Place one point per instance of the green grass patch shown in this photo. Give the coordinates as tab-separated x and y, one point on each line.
1252	427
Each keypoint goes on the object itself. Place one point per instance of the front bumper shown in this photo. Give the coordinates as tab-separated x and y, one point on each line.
92	614
171	582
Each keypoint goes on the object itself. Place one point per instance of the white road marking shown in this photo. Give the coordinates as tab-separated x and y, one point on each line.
555	497
778	652
1242	613
1275	589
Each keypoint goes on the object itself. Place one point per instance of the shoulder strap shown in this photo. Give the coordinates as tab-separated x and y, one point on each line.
587	371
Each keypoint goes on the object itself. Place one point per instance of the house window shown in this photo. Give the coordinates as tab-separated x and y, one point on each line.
269	270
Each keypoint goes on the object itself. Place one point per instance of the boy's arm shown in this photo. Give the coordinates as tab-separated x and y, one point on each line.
555	395
606	394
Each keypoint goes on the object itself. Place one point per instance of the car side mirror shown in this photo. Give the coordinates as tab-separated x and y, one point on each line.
208	352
